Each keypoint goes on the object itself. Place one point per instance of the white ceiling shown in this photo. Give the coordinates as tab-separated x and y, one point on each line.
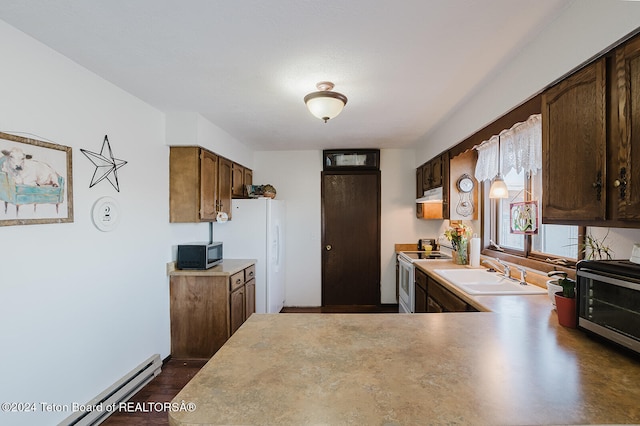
245	65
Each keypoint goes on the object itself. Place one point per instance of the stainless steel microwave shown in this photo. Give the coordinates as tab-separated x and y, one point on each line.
609	301
199	255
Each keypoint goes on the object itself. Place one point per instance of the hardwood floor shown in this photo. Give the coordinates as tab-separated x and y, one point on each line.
163	388
176	373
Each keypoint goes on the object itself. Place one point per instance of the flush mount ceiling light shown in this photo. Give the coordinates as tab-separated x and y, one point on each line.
498	186
324	103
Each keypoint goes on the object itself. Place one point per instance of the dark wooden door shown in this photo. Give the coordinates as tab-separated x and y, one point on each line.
351	238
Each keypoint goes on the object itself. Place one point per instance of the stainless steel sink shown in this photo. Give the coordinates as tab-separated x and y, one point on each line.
481	281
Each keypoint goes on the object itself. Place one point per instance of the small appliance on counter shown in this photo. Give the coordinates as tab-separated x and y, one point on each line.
608	293
428	244
199	255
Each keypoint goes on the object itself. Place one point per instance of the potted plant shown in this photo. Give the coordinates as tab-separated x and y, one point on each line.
596	249
565	299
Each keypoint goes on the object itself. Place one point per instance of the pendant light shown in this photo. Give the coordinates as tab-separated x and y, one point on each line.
324	103
498	187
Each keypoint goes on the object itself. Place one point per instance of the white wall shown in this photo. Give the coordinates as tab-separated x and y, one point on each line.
190	128
80	308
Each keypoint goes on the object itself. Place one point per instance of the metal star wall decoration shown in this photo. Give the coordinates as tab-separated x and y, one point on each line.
106	165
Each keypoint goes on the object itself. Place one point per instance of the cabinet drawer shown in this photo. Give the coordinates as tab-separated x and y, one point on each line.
236	280
250	273
446	299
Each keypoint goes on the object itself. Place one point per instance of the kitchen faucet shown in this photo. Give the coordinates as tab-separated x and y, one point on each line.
523	275
506	268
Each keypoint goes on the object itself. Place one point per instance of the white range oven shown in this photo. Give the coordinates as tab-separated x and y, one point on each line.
406	276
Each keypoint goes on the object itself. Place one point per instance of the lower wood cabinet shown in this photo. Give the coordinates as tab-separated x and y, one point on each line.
207	309
431	296
420	292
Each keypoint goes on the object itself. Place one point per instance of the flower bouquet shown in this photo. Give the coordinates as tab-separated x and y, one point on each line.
459	236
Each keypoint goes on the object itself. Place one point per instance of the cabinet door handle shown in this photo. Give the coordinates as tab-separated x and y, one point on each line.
598	186
622	183
328	247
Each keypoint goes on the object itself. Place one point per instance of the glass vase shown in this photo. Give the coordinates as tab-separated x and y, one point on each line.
460	255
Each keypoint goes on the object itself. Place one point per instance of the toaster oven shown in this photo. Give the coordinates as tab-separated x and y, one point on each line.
608	293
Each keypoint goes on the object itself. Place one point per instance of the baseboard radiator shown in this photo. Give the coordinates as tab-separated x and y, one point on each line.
119	392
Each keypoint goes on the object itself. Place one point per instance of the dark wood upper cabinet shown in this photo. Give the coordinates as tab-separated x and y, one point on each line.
201	184
591	143
625	136
574	147
436	172
237	181
225	179
193	184
433	174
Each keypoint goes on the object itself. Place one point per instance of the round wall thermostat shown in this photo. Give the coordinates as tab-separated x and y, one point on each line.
105	214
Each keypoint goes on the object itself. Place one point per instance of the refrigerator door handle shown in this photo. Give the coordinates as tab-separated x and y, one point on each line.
277	246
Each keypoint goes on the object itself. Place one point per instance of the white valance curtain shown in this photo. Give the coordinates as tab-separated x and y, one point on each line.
520	149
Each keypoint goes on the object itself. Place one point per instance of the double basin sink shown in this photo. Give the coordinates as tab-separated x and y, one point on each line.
483	282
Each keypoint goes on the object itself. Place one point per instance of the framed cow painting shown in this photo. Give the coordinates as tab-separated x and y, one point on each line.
35	181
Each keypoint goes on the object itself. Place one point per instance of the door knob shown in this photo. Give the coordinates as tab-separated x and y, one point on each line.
328	247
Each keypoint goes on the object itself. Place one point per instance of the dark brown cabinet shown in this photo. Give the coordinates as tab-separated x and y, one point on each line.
431	296
574	147
202	183
193	184
225	179
433	174
237	181
248	179
420	291
624	170
591	143
205	310
439	299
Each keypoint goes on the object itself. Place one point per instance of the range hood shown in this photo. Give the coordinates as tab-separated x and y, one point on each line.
431	196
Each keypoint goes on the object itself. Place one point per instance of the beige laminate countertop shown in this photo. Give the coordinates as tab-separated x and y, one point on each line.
227	267
512	366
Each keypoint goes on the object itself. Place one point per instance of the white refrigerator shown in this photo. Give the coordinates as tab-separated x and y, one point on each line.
256	231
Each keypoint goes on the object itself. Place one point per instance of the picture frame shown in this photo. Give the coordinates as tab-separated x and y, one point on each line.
36	183
524	217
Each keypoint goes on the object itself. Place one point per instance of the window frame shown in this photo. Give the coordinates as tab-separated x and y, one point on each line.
526	258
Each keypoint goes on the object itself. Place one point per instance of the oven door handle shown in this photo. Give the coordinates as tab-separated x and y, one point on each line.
609	280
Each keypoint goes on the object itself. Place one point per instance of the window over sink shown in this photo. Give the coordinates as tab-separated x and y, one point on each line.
519	154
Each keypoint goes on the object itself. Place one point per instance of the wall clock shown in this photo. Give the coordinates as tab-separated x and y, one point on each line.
465	185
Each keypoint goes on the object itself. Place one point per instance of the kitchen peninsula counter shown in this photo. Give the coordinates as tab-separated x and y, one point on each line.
514	365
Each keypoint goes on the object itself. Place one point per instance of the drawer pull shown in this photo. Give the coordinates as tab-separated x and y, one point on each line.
251	273
238	281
